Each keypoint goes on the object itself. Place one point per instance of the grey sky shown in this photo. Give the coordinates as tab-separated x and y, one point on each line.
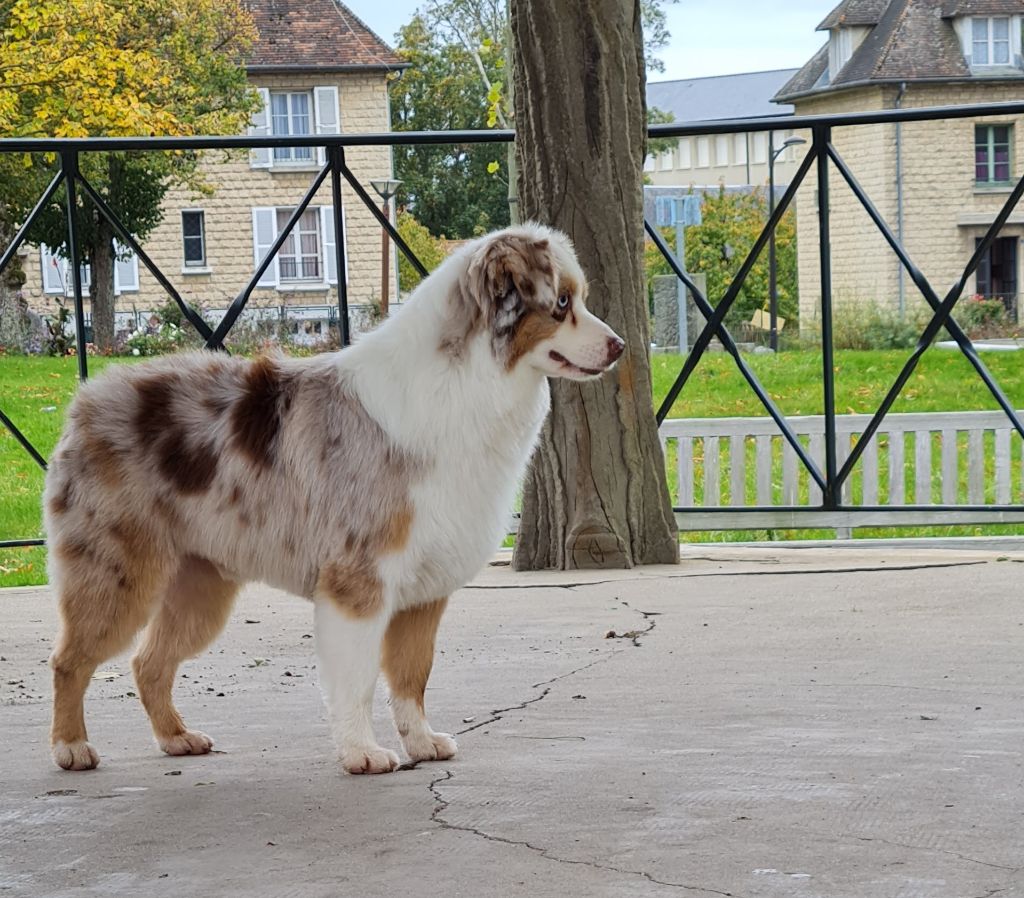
709	37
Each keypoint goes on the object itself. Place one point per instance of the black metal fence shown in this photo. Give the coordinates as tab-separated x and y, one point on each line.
821	154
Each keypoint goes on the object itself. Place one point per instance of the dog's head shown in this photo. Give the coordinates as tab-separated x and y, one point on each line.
525	291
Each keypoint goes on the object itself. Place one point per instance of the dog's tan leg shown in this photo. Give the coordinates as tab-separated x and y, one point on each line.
408	656
193	610
105	599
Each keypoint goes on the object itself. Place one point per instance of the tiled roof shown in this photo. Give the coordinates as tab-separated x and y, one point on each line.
315	34
854	12
951	8
910	41
719	96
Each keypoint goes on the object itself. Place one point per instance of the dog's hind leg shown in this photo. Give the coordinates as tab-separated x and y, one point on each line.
193	610
348	648
408	657
106	592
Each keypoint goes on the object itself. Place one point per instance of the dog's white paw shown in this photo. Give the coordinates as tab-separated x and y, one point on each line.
430	746
75	755
191	742
368	759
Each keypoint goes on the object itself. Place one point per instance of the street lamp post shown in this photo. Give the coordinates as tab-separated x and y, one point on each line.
773	294
386	188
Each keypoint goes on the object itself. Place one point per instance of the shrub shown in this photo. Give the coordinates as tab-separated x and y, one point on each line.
167	331
735	220
981	317
429	250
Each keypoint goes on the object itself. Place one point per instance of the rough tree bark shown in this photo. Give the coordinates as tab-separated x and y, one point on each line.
596	494
101	285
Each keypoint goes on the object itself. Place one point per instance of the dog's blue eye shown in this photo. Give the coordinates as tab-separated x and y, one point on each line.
563	301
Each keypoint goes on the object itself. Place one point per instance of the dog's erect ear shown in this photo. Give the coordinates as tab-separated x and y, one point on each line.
513	262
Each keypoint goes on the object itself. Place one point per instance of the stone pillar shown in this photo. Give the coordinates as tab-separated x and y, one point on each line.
666	314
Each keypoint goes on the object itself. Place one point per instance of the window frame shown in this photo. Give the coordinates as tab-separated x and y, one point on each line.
186	263
685	153
703	152
990	145
285	156
291	249
989	41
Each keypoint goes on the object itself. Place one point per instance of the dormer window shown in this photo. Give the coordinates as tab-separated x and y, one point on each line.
842	44
990	41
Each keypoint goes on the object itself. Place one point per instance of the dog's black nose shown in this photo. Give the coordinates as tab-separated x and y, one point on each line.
615	347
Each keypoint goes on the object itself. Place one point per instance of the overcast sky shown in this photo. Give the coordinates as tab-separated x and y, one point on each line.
709	37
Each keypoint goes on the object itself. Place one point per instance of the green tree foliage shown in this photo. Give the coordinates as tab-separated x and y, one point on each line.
78	68
458	80
452	190
734	220
656	33
429	250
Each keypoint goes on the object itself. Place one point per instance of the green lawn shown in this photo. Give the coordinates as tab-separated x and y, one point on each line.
35	392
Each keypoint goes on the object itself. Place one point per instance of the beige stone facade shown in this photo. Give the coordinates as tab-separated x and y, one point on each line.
944	210
239	188
731	160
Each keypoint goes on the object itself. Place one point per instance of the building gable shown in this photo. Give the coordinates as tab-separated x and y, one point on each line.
315	35
909	40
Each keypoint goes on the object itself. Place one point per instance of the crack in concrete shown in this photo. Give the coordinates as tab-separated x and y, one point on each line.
635	635
442	804
963	857
733	574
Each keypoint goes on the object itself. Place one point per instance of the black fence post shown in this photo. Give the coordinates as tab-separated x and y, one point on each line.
822	135
336	154
69	166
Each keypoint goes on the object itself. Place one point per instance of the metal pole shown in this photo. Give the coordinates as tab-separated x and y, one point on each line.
821	139
337	157
682	323
69	165
773	299
384	261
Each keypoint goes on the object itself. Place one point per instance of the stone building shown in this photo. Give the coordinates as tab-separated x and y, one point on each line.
318	70
730	160
938	184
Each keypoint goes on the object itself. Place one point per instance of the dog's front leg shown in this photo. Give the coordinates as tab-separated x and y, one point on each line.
407	659
348	650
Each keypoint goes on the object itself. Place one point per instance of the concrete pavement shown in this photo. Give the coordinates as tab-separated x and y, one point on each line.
764	722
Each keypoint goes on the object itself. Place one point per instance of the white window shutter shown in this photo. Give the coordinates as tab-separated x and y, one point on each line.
261	157
329	245
264	233
126	272
325	111
55	271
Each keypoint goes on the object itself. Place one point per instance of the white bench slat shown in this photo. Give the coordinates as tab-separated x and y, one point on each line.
923	467
711	486
684	471
869	467
791	466
763	468
950	473
737	470
1003	466
843	453
897	487
976	467
818	455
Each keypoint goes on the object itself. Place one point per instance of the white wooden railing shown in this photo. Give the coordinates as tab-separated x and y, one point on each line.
970	459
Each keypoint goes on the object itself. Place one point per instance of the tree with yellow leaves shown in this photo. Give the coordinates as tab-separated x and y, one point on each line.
116	68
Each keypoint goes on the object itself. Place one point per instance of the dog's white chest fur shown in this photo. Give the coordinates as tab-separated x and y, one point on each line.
473	430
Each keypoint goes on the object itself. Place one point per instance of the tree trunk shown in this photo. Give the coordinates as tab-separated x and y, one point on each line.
101	287
596	493
511	166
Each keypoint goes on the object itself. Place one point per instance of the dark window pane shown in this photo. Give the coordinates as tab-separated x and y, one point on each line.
192	224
